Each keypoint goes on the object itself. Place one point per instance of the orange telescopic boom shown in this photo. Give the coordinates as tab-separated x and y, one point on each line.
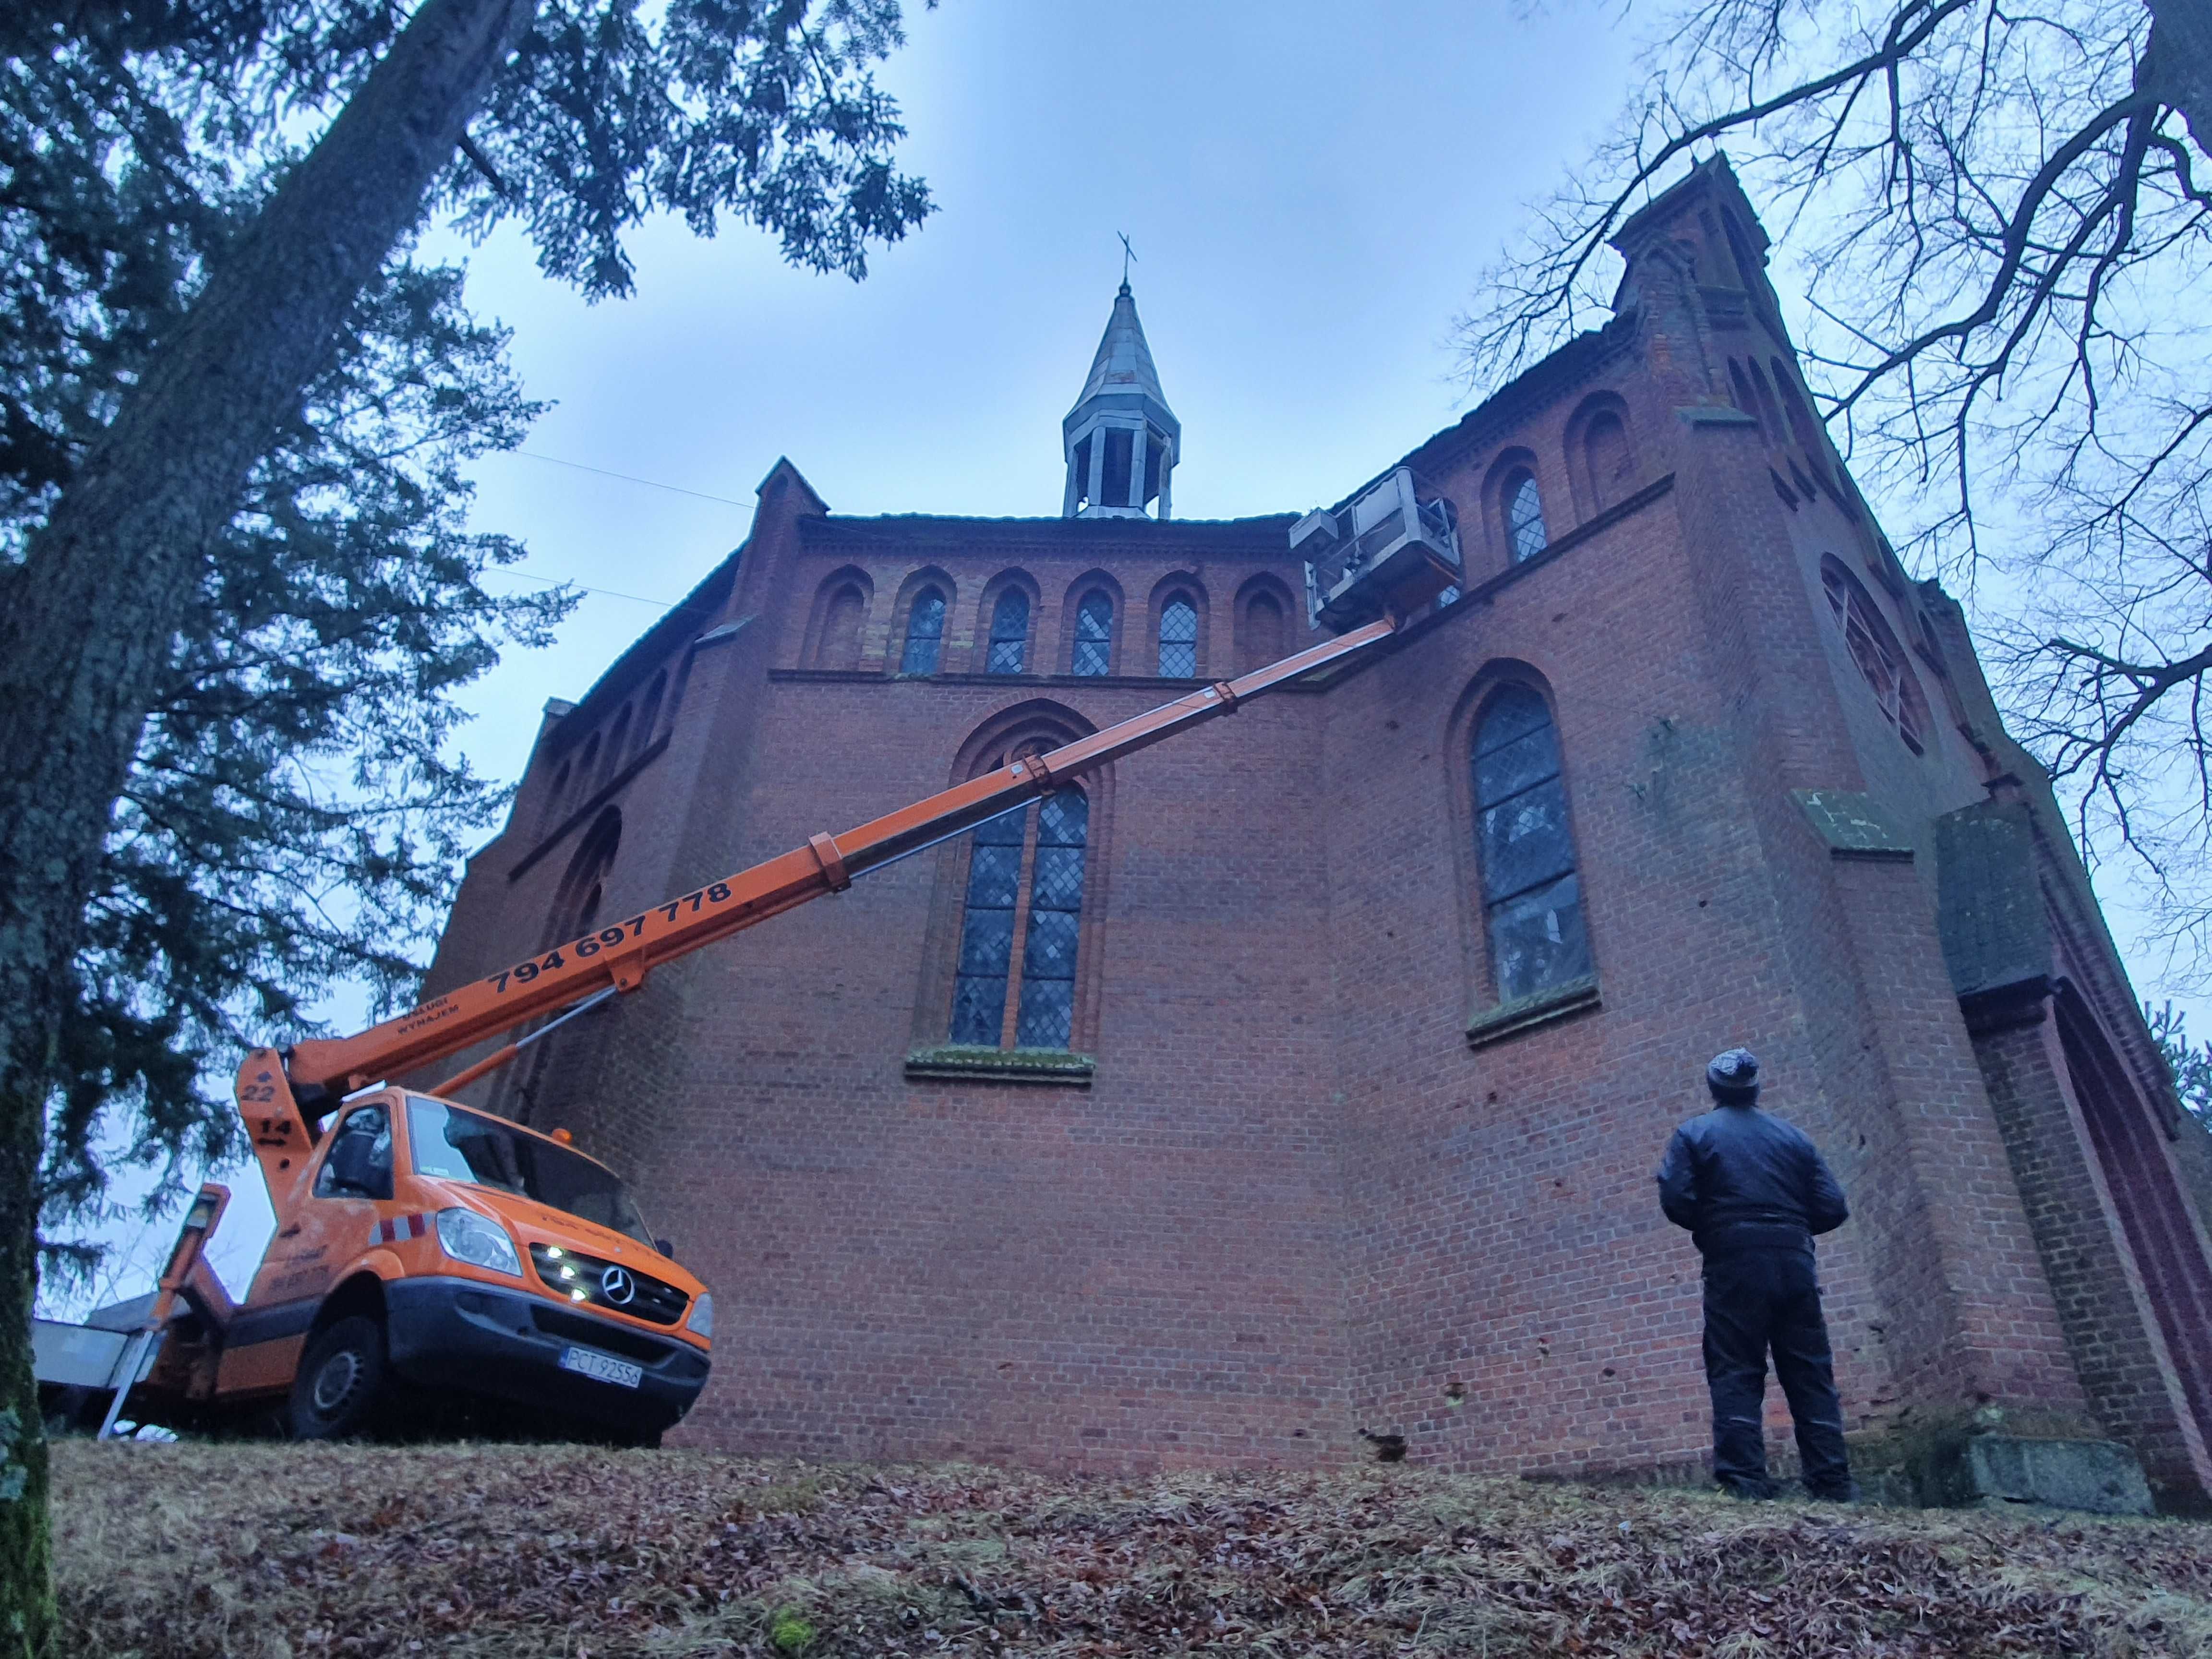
617	957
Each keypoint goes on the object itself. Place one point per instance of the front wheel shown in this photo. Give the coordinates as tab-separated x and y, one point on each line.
335	1393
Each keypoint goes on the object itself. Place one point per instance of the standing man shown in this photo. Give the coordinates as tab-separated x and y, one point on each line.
1753	1190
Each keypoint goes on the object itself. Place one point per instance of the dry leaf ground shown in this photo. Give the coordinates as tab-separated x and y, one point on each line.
250	1552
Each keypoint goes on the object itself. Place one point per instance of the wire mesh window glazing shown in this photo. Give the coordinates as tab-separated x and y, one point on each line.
1047	1016
1524	517
925	633
1025	876
987	932
1179	639
1010	632
1532	897
1094	636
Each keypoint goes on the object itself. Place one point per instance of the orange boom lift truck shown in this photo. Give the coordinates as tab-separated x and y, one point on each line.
423	1241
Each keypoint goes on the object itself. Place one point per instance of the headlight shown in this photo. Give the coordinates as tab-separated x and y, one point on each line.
701	1323
467	1237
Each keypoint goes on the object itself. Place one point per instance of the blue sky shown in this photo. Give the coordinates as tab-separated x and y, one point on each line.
1313	191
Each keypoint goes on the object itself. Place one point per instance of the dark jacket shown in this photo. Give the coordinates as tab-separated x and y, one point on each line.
1740	1179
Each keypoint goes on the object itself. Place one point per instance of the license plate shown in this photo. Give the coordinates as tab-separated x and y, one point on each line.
620	1373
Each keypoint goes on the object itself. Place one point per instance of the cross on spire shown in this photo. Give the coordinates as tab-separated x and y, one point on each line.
1127	254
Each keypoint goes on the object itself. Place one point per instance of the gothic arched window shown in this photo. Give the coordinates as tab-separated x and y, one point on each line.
1740	394
1010	632
1803	427
1605	450
617	741
839	646
1179	639
1015	983
1531	895
1093	635
1524	516
556	798
1881	659
1267	633
648	720
925	633
576	901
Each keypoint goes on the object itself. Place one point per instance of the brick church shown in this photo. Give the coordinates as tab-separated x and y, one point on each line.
1304	1076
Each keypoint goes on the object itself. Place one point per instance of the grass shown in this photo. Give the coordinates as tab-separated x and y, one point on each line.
258	1550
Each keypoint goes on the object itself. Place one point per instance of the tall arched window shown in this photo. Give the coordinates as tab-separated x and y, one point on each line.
925	633
1531	895
576	903
1740	393
1015	984
556	798
1881	659
1748	265
1604	450
617	741
648	719
839	646
1802	426
1524	517
1093	635
1267	631
1010	632
1179	639
1770	413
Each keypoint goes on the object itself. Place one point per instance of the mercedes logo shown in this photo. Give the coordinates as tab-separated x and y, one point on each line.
617	1286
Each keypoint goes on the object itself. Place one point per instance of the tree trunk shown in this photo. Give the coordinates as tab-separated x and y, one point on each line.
90	616
2180	61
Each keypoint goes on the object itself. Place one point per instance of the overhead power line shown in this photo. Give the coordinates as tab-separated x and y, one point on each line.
563	582
626	477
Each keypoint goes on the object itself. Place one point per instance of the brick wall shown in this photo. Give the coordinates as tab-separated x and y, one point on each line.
1295	1199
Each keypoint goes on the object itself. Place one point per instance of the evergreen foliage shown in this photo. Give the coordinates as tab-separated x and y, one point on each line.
229	596
293	818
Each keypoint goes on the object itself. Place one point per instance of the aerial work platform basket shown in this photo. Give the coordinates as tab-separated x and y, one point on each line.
1388	553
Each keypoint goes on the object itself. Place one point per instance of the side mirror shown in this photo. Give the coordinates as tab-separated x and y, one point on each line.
665	1248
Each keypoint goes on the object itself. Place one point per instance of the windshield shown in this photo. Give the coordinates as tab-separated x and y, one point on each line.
455	1144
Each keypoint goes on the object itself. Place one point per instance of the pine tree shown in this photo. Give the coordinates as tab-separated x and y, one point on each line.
235	593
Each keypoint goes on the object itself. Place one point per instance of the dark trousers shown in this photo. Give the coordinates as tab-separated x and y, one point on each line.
1757	1300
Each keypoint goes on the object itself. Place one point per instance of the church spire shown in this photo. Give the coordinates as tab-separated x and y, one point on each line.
1122	441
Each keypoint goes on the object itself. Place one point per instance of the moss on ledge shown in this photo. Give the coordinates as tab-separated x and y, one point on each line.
1511	1019
972	1063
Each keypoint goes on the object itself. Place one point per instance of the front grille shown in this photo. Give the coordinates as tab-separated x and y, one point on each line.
599	1333
582	1279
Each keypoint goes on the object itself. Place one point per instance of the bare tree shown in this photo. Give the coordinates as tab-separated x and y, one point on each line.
2000	220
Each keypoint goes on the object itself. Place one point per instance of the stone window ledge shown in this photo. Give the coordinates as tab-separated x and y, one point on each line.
968	1064
1525	1013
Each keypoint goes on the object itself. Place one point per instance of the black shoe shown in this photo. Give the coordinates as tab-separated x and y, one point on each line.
1749	1491
1846	1493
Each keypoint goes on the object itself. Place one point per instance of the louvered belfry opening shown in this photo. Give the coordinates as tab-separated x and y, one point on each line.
1121	441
